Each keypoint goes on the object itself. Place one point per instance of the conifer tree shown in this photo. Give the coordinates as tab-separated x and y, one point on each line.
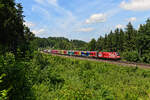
130	37
92	45
99	43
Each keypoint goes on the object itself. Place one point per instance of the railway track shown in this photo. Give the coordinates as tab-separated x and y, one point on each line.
117	62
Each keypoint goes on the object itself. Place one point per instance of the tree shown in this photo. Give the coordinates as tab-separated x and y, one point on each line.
131	34
143	41
110	41
122	40
14	37
7	23
92	45
13	32
100	43
116	40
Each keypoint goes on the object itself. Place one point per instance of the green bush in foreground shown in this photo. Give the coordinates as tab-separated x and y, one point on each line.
14	84
71	79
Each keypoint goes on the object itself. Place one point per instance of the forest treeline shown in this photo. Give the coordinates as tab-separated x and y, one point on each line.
58	43
133	44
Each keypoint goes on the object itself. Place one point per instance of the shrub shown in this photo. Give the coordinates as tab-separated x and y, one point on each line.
15	83
145	58
72	79
131	56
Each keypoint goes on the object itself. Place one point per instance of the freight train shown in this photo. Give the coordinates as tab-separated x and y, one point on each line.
94	54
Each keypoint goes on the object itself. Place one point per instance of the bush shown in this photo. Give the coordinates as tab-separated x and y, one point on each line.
131	56
15	84
48	77
145	58
66	78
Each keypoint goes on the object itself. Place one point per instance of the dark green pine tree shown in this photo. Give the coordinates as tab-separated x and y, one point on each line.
92	45
13	32
143	41
100	44
116	40
122	40
8	32
110	41
131	33
105	46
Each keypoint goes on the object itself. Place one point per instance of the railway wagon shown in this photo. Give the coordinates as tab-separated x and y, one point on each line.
63	52
84	53
79	53
70	52
60	52
76	53
46	51
49	51
54	51
93	53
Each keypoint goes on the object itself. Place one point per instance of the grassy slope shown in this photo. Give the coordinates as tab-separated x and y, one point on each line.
71	79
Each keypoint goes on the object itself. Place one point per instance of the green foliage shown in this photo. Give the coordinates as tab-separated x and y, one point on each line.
14	85
65	79
59	43
52	77
143	42
3	93
92	45
131	56
145	58
14	34
15	37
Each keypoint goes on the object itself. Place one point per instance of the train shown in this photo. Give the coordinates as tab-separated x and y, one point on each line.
93	54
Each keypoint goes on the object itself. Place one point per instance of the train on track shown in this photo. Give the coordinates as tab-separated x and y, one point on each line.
93	54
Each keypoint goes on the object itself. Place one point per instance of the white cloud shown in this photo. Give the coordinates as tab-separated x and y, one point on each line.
136	5
39	1
44	2
41	11
40	31
96	18
132	19
120	26
53	2
29	24
85	30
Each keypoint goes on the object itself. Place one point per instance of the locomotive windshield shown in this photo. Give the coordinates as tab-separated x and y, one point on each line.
118	54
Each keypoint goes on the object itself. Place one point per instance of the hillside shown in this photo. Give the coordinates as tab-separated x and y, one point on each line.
59	43
65	78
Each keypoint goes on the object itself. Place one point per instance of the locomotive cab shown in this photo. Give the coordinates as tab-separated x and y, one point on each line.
118	55
109	55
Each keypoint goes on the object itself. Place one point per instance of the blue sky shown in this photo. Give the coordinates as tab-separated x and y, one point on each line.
82	19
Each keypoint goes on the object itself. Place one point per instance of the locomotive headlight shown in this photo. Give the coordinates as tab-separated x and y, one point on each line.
100	54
